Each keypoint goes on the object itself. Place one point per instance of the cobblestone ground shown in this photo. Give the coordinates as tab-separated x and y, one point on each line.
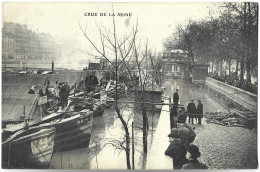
224	147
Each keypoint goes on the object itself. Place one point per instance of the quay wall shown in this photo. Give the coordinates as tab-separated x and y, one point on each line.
241	99
156	159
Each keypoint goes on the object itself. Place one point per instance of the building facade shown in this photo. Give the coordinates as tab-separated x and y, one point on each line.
175	64
20	43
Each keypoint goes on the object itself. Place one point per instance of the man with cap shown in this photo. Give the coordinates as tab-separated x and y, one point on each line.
176	149
193	163
200	111
192	110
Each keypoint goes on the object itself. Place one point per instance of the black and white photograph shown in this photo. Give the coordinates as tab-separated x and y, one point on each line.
129	85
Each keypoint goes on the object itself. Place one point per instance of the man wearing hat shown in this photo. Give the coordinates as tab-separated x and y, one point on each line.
192	110
176	149
200	111
193	163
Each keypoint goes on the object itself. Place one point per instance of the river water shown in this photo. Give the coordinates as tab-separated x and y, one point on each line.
108	129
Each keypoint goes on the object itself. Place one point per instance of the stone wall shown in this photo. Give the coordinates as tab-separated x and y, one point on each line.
236	96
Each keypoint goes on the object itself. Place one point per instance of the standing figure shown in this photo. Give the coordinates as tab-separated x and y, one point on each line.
67	92
87	83
174	116
95	80
176	98
193	155
176	150
200	111
62	95
192	110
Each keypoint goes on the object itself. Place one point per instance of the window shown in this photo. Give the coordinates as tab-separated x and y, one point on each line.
175	68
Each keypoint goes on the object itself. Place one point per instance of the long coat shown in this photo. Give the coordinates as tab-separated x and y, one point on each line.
175	97
200	109
177	151
191	108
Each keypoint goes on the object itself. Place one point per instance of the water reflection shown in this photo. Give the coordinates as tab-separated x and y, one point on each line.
107	128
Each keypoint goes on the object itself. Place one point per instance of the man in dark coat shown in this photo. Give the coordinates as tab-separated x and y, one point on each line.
193	163
176	149
67	90
200	111
174	116
62	95
176	97
192	110
95	80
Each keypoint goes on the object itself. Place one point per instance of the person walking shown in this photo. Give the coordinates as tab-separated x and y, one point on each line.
193	163
176	98
192	110
176	150
200	111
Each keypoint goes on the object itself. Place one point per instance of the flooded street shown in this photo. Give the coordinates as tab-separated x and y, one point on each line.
108	129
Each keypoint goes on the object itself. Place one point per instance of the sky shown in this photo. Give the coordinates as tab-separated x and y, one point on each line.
156	21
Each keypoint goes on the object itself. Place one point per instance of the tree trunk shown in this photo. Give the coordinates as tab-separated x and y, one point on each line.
248	69
248	64
229	67
212	67
237	62
145	119
242	70
127	137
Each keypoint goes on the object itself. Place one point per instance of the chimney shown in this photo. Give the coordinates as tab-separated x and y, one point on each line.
52	66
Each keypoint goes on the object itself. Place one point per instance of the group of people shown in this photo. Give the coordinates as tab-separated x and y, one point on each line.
91	81
41	93
234	81
192	110
181	149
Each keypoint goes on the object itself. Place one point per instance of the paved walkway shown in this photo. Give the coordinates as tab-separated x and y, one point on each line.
226	147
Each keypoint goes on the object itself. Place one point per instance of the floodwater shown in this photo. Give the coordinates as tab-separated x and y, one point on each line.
108	130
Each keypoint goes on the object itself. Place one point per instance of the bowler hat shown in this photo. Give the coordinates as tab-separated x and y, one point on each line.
174	133
194	151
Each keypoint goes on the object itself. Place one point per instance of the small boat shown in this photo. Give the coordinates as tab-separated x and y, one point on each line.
73	131
30	149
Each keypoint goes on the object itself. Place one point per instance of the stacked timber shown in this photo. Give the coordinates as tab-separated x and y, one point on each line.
235	118
246	118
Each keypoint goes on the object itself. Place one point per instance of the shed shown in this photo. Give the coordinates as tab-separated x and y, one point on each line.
199	73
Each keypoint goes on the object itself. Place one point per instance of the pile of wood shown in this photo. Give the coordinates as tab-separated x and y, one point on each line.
246	118
235	118
111	90
224	119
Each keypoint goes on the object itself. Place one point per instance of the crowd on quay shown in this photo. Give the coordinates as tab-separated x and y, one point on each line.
234	81
184	154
